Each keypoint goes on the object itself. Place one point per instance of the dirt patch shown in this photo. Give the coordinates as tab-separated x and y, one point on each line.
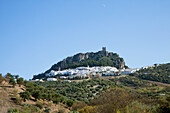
5	101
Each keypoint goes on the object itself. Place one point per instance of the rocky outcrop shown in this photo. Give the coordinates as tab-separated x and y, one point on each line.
100	58
84	59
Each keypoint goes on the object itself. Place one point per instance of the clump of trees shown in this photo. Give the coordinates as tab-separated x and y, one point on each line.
12	79
39	92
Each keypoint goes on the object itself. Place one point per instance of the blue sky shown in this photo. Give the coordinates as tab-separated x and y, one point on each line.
35	34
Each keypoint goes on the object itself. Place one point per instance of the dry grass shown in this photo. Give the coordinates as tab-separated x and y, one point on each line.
7	92
58	107
5	100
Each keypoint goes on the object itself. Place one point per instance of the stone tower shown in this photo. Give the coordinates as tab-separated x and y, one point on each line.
104	49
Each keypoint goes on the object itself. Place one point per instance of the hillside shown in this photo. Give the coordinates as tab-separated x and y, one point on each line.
114	94
100	58
21	98
101	94
159	73
79	91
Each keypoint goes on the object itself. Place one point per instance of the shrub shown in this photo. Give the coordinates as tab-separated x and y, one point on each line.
47	110
15	92
74	112
44	96
93	91
36	94
25	95
137	107
88	109
70	103
78	105
57	100
30	109
18	100
61	111
49	103
39	104
13	110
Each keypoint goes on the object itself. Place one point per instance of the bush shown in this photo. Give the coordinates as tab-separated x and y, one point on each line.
47	110
78	105
37	94
137	107
74	112
93	91
13	110
57	100
25	95
49	104
70	103
61	111
39	104
18	100
30	109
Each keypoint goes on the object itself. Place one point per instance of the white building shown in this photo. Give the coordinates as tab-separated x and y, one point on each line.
85	71
63	77
51	79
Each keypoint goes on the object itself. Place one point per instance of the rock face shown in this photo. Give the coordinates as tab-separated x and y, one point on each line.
100	58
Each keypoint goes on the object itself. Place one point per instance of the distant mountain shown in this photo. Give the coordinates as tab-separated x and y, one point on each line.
100	58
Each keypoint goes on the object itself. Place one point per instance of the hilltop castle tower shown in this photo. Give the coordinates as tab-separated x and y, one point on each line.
104	51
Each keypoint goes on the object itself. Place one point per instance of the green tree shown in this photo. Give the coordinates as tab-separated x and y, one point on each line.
2	79
20	81
16	77
56	100
25	95
36	94
8	75
44	96
12	81
70	103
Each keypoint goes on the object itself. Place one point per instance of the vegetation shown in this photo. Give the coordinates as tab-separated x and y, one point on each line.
133	82
122	101
141	86
13	110
79	91
25	95
39	92
159	73
125	94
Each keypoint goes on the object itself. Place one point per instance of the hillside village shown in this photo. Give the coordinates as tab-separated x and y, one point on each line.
85	72
87	65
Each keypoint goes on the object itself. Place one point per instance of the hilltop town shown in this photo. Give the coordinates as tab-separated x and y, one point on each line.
86	72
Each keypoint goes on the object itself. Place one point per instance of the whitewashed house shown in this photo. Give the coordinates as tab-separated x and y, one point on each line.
51	79
63	77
